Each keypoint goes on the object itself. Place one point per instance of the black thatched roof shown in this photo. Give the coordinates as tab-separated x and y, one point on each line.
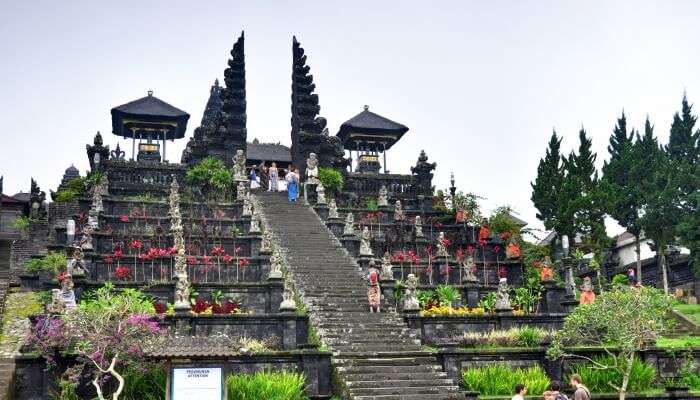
268	152
147	113
370	127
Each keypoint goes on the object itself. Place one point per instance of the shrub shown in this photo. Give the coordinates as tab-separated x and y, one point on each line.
597	380
212	176
514	337
21	224
620	279
500	379
145	384
266	385
447	295
331	179
54	263
488	302
530	337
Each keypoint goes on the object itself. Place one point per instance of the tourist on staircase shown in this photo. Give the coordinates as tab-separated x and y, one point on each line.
264	177
274	177
292	179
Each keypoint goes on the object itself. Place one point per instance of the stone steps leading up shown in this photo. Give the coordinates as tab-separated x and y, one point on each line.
374	353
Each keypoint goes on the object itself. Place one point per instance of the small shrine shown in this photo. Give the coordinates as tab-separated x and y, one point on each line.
152	122
369	134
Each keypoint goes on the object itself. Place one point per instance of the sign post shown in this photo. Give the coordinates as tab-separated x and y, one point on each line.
201	383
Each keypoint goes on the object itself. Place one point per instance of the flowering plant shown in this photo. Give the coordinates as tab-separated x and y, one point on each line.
122	272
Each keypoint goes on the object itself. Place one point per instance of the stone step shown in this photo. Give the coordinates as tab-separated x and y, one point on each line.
457	396
401	370
404	390
393	376
400	383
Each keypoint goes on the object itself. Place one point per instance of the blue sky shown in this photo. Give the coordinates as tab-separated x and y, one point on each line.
480	84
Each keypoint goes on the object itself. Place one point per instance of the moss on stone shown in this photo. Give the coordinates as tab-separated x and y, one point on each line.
18	306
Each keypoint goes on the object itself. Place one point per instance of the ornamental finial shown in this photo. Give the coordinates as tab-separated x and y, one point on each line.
366	107
150	93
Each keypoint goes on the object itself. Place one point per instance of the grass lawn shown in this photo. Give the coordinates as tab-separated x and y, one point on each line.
691	311
678	342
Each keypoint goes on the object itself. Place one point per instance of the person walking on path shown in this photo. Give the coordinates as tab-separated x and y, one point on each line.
581	392
274	177
292	184
520	392
264	177
555	388
253	178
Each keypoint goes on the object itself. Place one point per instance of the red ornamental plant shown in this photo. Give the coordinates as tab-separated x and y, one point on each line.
400	257
242	263
160	307
109	260
122	273
502	272
218	252
411	255
431	258
206	263
227	261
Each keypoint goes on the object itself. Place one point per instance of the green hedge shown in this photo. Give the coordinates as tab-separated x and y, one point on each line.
500	380
641	379
266	386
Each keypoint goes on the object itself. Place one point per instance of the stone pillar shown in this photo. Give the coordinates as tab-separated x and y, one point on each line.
352	244
322	211
471	294
553	297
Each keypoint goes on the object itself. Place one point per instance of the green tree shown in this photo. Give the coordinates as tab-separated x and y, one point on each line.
623	322
683	141
619	183
546	188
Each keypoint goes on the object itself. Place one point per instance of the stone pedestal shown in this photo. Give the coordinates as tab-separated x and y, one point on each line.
336	225
322	211
471	294
552	297
421	244
388	287
364	262
504	312
569	303
352	244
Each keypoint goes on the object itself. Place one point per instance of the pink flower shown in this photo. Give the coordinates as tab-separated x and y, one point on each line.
136	244
243	262
124	218
206	260
227	259
191	260
218	251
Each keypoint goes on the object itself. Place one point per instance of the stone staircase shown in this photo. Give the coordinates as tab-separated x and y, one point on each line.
374	354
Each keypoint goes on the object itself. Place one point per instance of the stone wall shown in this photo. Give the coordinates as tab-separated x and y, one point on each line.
34	243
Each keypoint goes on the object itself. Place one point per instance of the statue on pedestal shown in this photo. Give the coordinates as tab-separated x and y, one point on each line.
67	294
387	273
320	194
418	225
442	245
587	293
266	244
333	209
239	166
383	199
366	243
182	292
288	303
349	228
468	267
275	265
410	302
241	191
502	297
312	169
86	239
76	266
255	222
247	208
374	293
398	211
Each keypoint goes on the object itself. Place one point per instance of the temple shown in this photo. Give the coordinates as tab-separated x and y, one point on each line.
371	284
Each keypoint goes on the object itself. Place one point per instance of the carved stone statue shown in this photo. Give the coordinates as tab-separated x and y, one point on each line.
56	306
410	302
502	297
76	266
182	293
398	211
241	191
383	199
418	225
468	266
441	245
587	293
546	271
266	244
288	303
86	239
275	265
312	169
320	194
349	228
182	283
366	243
255	222
387	273
67	294
374	293
333	209
247	208
239	166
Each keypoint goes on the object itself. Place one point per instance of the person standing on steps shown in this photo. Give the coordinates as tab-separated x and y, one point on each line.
292	179
253	178
264	177
274	177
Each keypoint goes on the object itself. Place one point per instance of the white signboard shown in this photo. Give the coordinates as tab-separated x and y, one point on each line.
197	383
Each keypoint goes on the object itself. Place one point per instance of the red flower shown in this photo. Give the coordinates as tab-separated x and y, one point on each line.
124	218
122	272
482	242
172	251
445	242
206	260
200	306
163	252
144	256
243	262
231	306
399	256
192	260
62	276
459	254
136	244
502	272
153	252
109	260
118	253
496	249
470	249
227	259
237	250
218	251
160	307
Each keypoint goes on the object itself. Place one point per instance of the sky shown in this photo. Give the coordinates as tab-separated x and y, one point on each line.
480	84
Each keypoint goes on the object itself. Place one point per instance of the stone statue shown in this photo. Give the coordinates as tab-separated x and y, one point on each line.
312	169
366	243
76	266
387	273
86	239
418	225
275	265
239	166
587	293
468	266
255	222
70	232
333	209
410	302
383	199
247	208
398	211
349	228
502	297
374	293
56	306
442	245
182	283
546	271
266	244
182	293
67	294
320	194
241	191
288	303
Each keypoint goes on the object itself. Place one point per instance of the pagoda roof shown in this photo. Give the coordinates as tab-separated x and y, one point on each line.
268	152
149	114
372	128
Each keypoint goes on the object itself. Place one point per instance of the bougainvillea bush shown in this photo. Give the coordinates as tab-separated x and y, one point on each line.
108	333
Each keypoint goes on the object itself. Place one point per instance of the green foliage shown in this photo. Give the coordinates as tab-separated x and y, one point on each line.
54	263
107	299
331	179
597	379
21	224
447	295
529	336
66	195
547	187
67	390
18	306
620	279
426	298
500	380
77	187
371	204
488	302
678	342
145	384
212	176
266	385
526	298
691	311
501	221
467	202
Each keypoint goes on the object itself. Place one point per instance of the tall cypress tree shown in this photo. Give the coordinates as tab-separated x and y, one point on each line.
683	141
547	186
623	200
